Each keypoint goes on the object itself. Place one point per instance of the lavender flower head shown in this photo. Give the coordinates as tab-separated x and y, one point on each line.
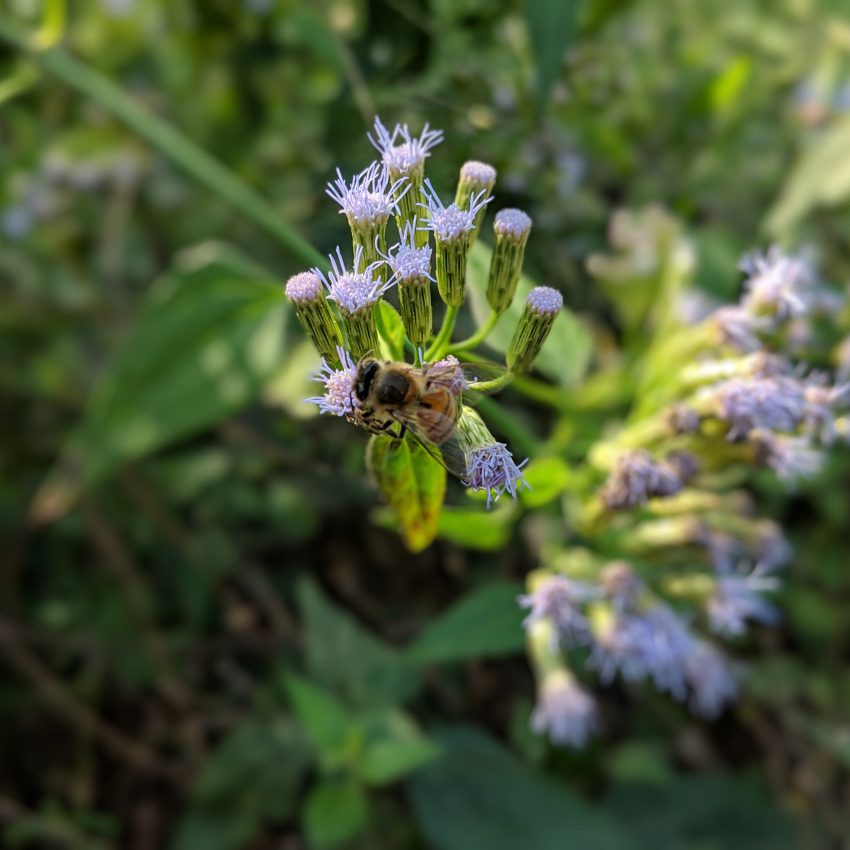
777	284
339	398
480	174
738	328
789	457
403	153
558	599
711	680
638	478
737	598
771	403
370	198
564	711
653	645
304	288
492	468
353	290
451	223
406	260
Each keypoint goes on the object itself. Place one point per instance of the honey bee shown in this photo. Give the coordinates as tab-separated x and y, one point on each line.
423	400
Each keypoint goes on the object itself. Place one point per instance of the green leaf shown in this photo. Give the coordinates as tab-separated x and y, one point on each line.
700	813
327	722
566	353
208	337
480	795
414	485
335	811
474	528
391	331
345	657
820	177
548	478
486	623
395	747
551	28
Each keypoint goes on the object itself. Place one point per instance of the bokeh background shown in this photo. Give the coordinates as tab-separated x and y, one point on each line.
161	591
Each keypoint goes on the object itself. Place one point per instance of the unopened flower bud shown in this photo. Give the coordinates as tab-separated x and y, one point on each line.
307	296
475	178
512	228
541	309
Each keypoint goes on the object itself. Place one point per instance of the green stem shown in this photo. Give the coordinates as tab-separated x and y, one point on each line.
529	387
494	385
520	437
440	345
478	337
195	161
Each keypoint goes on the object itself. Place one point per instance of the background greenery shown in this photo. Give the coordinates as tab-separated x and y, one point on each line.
205	640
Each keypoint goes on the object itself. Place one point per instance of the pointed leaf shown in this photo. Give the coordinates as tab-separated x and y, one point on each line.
486	623
414	485
336	810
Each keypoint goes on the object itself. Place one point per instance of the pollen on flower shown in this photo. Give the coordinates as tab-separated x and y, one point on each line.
353	290
545	300
339	398
492	468
371	197
512	224
304	288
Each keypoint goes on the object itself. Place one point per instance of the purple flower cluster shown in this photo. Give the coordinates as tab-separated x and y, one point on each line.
638	478
370	197
640	639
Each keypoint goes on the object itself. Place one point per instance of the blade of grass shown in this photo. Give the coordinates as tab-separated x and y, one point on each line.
195	161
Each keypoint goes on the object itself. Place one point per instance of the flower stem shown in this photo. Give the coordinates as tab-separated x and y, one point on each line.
520	437
478	337
440	345
492	386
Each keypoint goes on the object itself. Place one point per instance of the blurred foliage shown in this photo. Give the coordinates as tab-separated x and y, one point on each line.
206	639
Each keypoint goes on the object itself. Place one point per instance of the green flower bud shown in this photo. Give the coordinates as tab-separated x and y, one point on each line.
541	310
411	268
307	296
512	228
475	178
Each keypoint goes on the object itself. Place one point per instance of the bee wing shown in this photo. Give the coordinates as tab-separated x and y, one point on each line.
456	376
448	453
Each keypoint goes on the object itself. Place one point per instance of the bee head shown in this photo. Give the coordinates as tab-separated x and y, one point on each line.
366	371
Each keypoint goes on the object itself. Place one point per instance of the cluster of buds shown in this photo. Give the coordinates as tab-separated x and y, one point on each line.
344	309
712	399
